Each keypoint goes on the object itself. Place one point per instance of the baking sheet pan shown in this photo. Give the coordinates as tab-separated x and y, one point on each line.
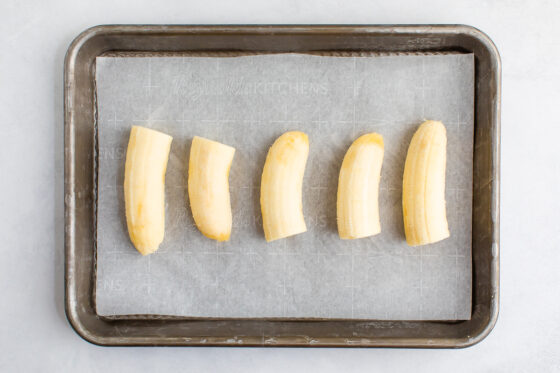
80	184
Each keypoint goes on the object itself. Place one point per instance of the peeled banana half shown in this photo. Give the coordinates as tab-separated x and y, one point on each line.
281	186
423	199
357	206
208	187
144	187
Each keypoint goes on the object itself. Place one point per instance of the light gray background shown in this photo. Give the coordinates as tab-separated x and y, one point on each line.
34	333
315	274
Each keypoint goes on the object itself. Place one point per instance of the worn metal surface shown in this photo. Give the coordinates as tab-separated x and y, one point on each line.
80	135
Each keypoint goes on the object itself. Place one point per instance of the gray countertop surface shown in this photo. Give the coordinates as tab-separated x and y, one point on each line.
34	333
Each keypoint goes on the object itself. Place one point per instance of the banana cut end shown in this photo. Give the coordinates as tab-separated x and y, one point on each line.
269	237
144	131
204	142
433	239
345	236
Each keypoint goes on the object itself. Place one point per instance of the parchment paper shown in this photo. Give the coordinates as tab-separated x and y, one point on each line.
247	102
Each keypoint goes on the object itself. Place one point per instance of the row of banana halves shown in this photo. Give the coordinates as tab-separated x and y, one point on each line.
281	187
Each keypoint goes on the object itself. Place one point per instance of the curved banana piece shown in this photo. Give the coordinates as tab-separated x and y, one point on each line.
357	205
424	186
281	186
144	187
208	185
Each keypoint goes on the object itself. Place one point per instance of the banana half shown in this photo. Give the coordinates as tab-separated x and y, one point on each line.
424	186
144	187
208	187
281	186
357	206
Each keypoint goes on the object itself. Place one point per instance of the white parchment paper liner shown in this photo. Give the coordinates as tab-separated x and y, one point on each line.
246	102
